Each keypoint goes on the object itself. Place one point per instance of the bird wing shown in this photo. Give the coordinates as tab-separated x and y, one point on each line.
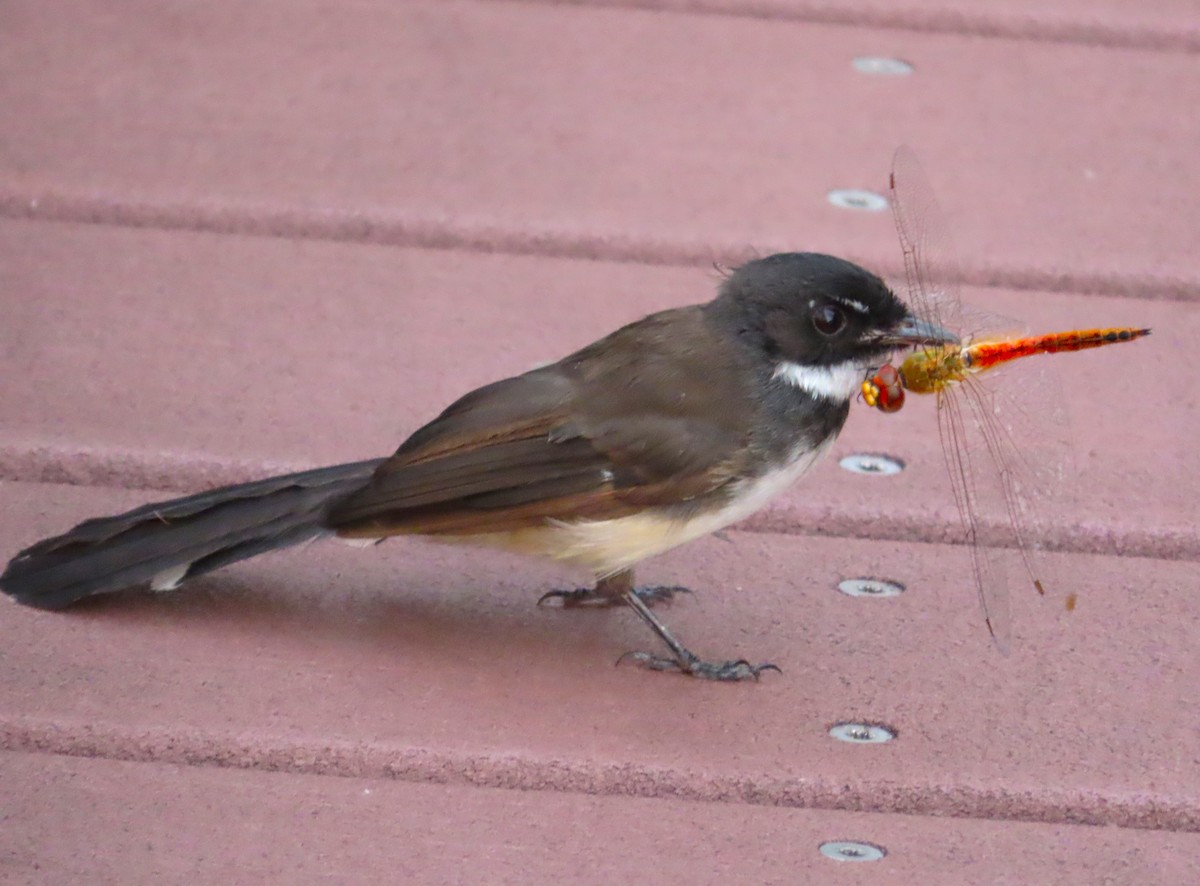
584	438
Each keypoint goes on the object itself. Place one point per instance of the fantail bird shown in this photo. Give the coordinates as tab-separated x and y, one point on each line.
665	430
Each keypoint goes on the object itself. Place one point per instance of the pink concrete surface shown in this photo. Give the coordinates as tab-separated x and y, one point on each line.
599	132
346	830
508	181
432	663
299	353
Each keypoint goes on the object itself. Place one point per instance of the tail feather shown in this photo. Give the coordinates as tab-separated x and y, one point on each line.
167	542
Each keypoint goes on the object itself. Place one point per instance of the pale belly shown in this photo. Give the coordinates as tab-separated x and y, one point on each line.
608	546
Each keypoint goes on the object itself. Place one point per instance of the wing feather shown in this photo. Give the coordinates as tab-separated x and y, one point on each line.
585	437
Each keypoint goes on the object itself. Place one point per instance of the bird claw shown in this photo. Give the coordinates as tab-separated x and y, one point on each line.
592	597
725	671
569	598
660	593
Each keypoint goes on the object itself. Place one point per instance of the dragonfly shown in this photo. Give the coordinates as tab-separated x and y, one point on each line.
980	419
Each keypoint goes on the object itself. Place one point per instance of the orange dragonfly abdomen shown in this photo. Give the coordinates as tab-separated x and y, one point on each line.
987	354
931	370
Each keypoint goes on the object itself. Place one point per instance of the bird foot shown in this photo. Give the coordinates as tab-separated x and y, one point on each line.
726	671
596	597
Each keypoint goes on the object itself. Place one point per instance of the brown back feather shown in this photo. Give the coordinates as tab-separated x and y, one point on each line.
611	429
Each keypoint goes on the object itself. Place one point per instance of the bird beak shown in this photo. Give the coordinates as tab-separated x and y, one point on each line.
914	331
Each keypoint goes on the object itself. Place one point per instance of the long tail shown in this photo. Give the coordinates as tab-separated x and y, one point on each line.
167	542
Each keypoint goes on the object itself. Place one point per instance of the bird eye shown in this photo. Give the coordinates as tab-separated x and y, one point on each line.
829	319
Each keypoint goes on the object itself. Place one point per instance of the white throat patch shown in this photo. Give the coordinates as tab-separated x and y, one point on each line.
840	382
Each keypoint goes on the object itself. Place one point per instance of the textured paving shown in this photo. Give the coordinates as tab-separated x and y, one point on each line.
239	240
267	827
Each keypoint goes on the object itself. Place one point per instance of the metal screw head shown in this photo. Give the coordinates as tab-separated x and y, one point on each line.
852	850
862	733
872	463
857	199
882	66
870	587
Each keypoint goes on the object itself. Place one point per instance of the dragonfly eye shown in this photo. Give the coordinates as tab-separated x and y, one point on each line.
829	319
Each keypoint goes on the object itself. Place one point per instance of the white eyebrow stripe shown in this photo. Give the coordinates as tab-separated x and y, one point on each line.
838	383
856	305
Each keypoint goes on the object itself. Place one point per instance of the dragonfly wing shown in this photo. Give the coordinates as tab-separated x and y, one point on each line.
980	325
1020	414
999	487
929	266
973	480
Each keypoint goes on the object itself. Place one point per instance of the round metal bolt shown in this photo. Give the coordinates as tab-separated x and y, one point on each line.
852	850
881	65
858	200
872	463
862	733
870	587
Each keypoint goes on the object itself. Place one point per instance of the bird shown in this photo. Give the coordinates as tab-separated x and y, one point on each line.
667	429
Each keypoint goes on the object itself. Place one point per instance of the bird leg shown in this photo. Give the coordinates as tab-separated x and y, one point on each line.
618	589
682	659
611	591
